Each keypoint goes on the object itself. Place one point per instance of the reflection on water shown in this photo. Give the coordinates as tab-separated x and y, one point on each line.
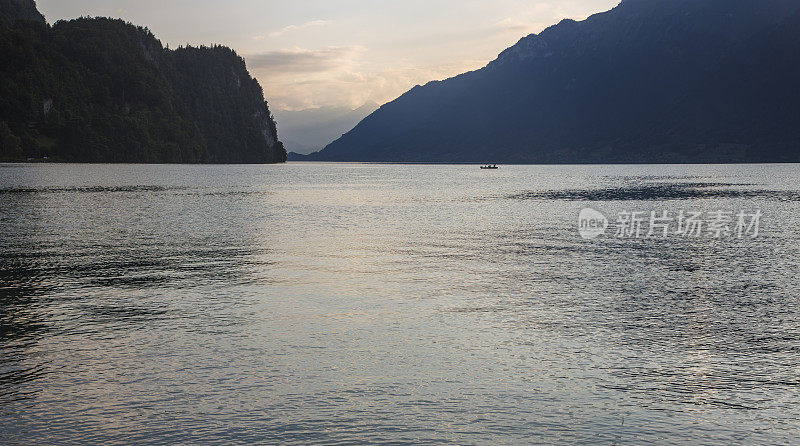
20	327
668	191
340	303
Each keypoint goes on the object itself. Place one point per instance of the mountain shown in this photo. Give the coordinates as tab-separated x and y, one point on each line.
650	81
309	130
13	10
102	90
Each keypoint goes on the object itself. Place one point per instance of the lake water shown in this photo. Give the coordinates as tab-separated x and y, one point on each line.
395	304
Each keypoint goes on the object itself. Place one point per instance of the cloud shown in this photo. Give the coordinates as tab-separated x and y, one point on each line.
516	26
399	57
353	85
304	61
290	28
535	18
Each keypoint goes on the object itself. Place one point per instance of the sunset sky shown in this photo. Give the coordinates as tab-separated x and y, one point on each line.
312	53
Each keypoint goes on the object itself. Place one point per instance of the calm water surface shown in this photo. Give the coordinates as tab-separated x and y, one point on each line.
346	303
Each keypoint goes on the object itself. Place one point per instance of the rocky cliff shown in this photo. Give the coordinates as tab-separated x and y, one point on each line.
102	90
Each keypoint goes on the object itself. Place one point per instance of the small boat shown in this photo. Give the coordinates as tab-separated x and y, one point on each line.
490	166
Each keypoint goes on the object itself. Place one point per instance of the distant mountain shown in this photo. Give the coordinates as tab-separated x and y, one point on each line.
649	81
102	90
310	130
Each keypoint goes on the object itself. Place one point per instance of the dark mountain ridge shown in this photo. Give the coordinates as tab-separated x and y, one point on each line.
102	90
648	81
